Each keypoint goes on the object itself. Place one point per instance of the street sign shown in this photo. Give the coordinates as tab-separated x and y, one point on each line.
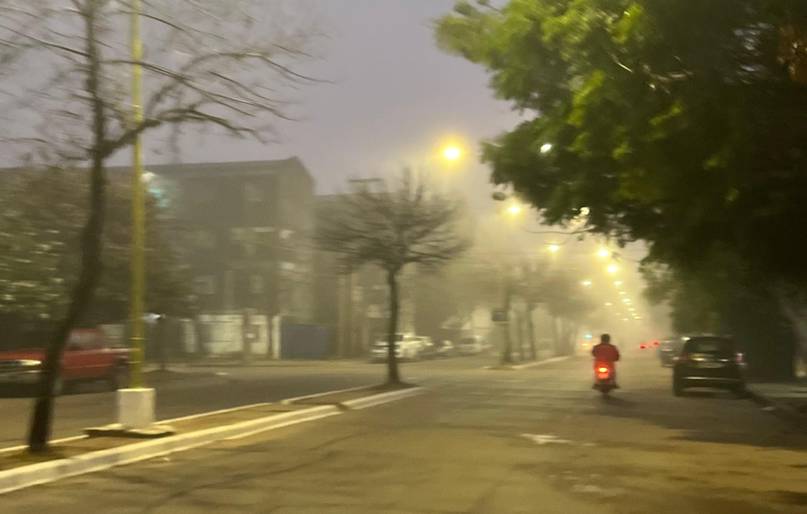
499	316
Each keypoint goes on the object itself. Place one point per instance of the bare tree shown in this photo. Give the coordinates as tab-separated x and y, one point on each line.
207	63
393	227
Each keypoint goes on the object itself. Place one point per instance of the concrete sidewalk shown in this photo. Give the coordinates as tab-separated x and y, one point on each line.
786	398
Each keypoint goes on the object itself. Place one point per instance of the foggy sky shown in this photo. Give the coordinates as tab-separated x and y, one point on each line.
394	96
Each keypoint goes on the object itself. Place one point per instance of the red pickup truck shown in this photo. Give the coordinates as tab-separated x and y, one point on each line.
87	357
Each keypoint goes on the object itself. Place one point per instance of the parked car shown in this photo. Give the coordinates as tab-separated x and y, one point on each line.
668	350
407	347
709	361
427	349
446	349
87	357
470	346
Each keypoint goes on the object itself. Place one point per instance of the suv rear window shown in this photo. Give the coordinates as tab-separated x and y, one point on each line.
712	345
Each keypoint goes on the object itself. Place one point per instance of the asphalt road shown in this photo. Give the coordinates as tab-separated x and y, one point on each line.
203	389
529	441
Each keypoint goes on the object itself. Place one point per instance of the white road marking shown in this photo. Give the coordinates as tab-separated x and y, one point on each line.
542	439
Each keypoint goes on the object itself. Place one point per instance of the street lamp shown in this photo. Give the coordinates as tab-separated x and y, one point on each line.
586	283
612	268
546	148
452	153
553	248
603	253
514	209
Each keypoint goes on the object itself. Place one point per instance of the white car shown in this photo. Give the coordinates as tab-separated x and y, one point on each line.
407	347
470	346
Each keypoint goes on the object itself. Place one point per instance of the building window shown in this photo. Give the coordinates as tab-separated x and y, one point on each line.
252	192
204	285
256	284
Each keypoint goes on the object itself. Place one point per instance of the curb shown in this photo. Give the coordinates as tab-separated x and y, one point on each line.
378	399
50	471
44	472
289	401
780	409
528	364
540	363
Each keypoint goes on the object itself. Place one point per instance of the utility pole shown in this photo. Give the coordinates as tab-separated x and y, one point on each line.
138	205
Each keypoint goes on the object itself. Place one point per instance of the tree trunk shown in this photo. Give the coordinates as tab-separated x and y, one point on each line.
556	335
531	331
393	376
507	344
90	268
519	340
162	340
795	311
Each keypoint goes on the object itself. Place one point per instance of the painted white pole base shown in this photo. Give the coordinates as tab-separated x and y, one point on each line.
135	416
136	408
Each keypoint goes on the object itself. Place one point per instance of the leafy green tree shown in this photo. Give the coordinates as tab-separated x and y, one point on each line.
678	123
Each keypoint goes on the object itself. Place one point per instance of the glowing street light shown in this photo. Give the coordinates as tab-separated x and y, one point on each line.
515	209
612	268
553	248
603	253
546	148
452	153
586	283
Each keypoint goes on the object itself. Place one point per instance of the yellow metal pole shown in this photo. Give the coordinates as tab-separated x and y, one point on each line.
138	206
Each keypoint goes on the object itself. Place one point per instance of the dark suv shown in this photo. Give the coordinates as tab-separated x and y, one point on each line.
669	350
708	361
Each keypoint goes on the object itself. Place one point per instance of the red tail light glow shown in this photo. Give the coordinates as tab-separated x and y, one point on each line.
602	369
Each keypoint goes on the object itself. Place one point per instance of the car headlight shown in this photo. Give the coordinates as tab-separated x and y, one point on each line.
30	363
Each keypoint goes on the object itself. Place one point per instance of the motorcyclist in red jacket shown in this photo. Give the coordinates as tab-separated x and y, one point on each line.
606	354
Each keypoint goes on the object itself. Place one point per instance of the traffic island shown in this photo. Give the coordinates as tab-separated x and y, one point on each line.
77	456
525	365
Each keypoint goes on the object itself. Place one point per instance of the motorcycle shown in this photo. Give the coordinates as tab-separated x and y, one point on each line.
604	380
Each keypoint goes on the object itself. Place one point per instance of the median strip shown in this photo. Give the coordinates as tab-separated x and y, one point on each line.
526	365
80	455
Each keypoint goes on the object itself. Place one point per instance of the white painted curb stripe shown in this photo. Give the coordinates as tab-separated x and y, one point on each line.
378	399
539	363
288	401
45	472
50	471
